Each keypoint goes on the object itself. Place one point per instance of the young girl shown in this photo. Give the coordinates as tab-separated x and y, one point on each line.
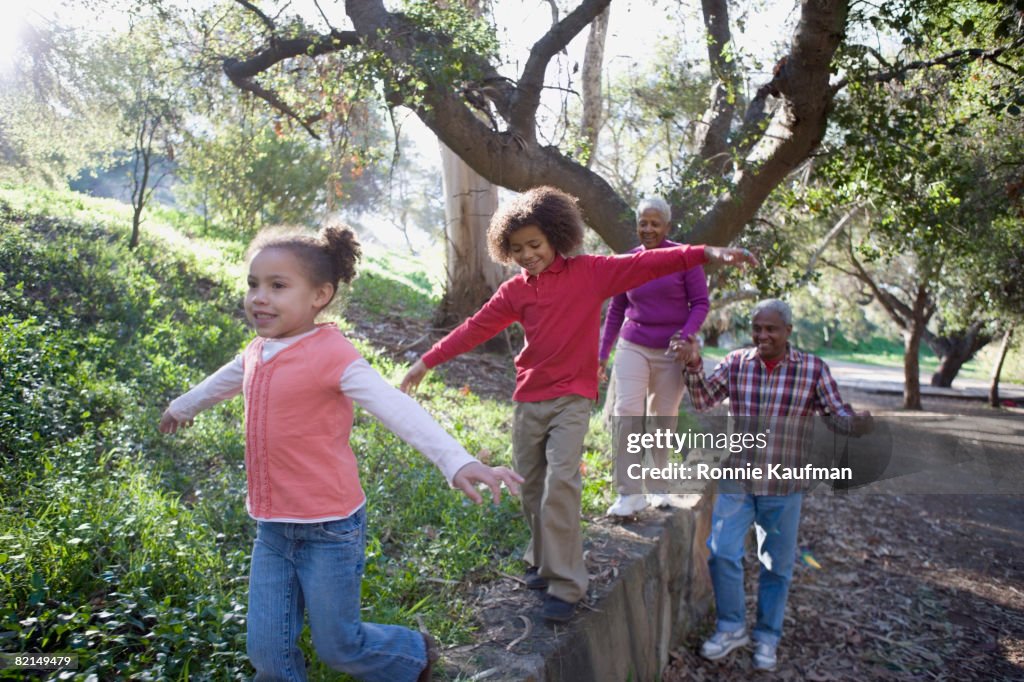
558	302
299	380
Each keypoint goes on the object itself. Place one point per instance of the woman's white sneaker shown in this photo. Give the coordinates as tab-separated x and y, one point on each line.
627	505
658	500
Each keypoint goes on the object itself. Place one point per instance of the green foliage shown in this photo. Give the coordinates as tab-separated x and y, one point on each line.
390	285
247	175
651	113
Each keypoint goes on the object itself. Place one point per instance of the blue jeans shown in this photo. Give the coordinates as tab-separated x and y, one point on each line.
776	519
318	568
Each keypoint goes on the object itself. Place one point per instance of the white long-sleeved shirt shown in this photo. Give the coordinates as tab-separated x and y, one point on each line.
398	412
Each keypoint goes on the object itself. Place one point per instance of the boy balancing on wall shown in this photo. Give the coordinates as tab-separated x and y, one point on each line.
299	380
558	301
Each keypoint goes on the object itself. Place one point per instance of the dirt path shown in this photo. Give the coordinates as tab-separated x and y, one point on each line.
922	586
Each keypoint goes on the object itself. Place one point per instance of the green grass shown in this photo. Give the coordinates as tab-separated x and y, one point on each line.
130	548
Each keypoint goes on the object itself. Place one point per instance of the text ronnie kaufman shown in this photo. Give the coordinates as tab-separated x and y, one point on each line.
710	472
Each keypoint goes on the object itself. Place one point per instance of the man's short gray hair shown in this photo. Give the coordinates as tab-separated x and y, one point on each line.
774	305
656	203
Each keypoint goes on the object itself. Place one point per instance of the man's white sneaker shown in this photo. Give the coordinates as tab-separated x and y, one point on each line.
764	657
722	643
658	501
627	505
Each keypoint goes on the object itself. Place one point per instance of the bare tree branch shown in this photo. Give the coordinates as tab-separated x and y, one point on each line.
267	21
280	50
271	98
713	135
832	234
952	59
523	116
795	130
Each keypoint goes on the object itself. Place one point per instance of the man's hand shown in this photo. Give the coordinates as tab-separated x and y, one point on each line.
413	377
862	423
170	424
687	351
467	478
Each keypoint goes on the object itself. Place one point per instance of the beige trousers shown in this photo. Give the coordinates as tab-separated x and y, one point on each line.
648	389
547	444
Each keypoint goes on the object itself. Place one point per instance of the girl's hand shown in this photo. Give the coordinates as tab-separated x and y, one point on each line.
718	255
170	424
413	377
602	372
467	478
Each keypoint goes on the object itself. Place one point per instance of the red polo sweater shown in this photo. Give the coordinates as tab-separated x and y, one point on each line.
560	310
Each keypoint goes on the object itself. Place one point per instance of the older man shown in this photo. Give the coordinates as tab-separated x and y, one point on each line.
769	387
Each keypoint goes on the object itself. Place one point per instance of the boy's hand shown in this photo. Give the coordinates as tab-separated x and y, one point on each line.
467	478
413	377
170	424
729	256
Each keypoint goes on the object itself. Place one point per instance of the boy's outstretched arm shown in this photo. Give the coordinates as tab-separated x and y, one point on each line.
719	255
474	473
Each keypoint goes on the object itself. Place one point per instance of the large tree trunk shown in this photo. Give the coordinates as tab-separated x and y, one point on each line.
954	350
912	366
916	328
993	391
470	201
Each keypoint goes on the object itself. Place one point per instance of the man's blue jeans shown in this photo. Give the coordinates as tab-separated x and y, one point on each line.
318	568
776	519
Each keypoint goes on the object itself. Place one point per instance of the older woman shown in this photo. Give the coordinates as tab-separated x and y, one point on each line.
647	381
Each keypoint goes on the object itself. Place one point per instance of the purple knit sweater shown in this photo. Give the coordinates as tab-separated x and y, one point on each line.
651	313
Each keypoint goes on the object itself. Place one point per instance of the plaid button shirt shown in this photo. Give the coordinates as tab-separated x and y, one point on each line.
780	404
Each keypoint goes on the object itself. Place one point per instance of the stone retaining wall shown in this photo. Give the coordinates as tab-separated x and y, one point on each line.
650	587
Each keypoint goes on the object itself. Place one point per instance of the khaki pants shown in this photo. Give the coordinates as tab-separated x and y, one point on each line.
547	444
647	383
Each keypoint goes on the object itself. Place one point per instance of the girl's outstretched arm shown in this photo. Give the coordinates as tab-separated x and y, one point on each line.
222	385
170	424
409	421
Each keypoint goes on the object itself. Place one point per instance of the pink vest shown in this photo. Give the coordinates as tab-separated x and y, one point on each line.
298	460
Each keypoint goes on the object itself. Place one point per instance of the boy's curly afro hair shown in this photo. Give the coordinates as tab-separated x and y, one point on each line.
552	210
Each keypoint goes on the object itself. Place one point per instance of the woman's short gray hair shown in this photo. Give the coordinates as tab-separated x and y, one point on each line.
774	305
656	203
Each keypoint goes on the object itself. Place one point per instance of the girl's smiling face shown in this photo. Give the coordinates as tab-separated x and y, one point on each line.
281	300
530	249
